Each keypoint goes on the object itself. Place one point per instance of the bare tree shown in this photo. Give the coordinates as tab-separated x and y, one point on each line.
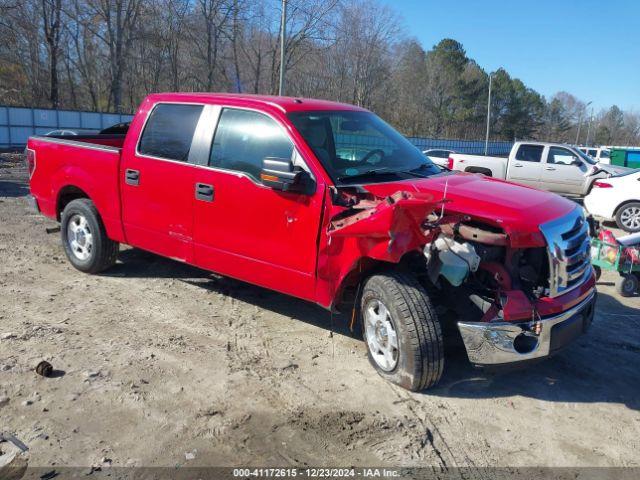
214	18
108	54
117	31
51	13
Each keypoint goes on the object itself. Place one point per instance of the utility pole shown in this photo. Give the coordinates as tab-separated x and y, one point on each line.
582	112
283	23
486	140
589	129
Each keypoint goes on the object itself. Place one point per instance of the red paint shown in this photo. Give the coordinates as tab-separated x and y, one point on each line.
517	209
288	242
554	306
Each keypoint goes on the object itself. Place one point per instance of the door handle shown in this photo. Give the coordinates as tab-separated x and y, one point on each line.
204	192
132	177
549	168
517	165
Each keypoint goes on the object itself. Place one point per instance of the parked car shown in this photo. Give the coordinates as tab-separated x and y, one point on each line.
61	133
599	154
617	198
439	157
117	129
253	187
554	167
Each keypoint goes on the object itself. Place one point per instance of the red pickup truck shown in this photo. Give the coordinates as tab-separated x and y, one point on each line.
326	202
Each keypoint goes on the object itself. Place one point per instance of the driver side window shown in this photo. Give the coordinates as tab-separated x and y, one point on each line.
560	156
244	138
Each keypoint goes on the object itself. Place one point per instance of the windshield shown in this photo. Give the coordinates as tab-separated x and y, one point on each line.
585	157
604	154
354	145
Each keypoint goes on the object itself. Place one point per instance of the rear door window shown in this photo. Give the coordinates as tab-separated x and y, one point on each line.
169	131
530	153
244	138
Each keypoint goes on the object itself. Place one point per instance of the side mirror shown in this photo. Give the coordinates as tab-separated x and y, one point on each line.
280	174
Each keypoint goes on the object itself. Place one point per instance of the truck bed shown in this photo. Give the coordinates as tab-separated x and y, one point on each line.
90	163
107	140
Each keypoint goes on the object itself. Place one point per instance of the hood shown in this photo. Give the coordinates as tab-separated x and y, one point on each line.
517	209
614	169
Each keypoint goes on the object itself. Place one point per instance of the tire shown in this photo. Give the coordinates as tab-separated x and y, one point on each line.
598	272
628	217
627	285
417	360
84	237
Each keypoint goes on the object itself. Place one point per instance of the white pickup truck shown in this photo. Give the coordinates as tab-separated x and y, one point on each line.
554	167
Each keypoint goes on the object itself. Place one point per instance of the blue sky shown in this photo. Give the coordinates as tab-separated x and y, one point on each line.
589	48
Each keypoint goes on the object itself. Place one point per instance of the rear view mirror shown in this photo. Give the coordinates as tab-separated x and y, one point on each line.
281	174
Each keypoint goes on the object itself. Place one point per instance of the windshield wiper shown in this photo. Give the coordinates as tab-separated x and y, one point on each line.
414	171
367	173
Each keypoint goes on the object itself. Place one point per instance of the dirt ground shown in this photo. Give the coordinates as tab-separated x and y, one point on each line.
161	364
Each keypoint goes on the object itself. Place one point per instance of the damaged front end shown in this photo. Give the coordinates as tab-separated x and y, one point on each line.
499	297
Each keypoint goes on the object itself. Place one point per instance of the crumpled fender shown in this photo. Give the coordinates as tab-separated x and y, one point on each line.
385	231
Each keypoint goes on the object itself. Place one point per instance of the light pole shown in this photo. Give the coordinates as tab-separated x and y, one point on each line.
589	128
582	112
283	23
486	140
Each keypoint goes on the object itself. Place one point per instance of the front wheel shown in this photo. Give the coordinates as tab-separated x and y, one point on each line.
401	330
84	237
628	217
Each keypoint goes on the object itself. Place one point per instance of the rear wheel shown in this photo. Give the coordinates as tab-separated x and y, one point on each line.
401	330
628	217
84	237
627	285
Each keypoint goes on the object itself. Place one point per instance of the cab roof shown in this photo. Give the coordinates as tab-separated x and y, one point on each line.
284	104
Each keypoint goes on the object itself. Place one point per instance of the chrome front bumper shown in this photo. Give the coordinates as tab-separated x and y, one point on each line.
497	343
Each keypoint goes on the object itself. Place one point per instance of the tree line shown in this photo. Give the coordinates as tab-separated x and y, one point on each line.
106	55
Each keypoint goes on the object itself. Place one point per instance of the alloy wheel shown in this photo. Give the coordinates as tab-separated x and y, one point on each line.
79	237
381	335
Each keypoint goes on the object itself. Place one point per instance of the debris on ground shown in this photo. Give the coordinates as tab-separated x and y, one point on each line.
44	368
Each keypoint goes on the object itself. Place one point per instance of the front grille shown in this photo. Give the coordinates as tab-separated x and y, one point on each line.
568	247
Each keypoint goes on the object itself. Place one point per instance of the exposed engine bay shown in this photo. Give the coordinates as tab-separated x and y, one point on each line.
502	282
470	265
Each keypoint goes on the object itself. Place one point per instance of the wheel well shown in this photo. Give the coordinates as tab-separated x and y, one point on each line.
349	290
483	171
66	195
